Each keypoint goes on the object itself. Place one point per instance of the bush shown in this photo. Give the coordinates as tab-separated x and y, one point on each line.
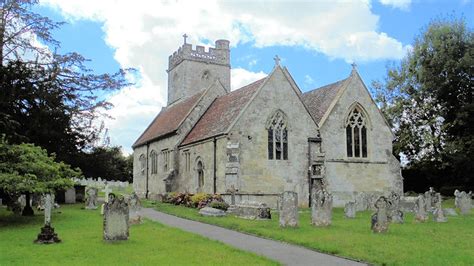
200	197
219	205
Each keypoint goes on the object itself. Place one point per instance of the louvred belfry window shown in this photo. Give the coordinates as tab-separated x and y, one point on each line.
277	137
356	134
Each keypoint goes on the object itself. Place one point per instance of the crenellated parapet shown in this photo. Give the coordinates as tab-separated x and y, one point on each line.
220	54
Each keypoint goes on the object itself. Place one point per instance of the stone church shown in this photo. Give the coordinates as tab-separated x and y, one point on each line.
263	138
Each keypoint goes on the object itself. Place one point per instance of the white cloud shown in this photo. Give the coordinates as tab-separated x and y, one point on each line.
241	77
308	80
401	4
145	33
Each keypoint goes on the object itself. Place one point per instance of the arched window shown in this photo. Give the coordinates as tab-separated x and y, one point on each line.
277	137
154	162
200	175
142	160
356	134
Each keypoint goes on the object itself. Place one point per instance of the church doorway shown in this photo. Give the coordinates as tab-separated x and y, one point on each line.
200	176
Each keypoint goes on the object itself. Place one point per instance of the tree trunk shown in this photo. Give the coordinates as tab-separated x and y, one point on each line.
27	211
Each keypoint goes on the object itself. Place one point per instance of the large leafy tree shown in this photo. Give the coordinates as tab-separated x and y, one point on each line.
108	163
26	169
50	99
428	100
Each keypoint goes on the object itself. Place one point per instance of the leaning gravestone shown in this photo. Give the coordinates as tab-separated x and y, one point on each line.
70	196
438	214
116	218
380	219
321	207
350	209
47	235
134	206
289	209
91	200
395	213
420	209
212	212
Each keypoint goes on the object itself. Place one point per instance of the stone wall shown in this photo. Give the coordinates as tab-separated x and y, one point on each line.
380	171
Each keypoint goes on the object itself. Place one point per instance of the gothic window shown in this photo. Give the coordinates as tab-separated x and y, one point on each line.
277	137
356	134
166	159
200	174
142	161
154	162
187	160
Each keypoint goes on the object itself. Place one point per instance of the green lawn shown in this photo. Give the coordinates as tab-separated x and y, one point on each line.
81	231
412	243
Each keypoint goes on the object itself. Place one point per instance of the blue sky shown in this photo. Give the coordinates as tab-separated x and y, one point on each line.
317	41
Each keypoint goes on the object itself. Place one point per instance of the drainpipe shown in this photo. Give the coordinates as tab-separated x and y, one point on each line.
309	172
215	166
146	183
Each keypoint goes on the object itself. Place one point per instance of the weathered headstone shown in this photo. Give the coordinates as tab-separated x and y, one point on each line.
116	219
350	209
70	196
438	214
212	212
289	209
321	207
91	200
430	198
47	235
464	202
361	201
134	206
380	219
395	213
420	209
450	212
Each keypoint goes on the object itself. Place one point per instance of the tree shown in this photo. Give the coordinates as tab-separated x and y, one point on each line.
56	97
26	169
107	163
428	100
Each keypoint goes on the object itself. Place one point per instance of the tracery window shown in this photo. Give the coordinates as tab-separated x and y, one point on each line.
200	174
154	162
277	137
142	161
356	134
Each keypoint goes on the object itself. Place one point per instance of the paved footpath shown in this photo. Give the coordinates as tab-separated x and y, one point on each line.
286	254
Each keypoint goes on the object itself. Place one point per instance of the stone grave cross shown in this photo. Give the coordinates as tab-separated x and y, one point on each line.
48	206
232	191
47	235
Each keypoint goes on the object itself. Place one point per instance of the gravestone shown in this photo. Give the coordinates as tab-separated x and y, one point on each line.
321	207
289	209
135	207
350	209
212	212
450	212
253	211
464	202
395	213
47	235
70	196
420	209
91	200
438	214
116	219
361	201
430	198
380	219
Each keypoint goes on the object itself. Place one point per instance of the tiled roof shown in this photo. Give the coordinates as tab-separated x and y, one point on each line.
168	120
318	100
222	112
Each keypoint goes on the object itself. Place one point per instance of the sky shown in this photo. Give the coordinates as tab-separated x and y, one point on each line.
316	40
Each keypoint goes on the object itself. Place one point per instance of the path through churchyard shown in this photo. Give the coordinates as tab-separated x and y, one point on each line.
285	253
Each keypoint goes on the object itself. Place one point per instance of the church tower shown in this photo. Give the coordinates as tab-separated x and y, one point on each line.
190	71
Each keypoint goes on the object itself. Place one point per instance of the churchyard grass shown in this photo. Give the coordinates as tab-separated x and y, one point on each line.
81	232
411	243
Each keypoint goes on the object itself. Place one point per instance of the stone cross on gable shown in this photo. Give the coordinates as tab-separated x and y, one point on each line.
185	36
354	65
277	60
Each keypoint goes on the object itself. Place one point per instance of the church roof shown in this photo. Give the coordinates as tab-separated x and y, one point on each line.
168	120
319	100
222	112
